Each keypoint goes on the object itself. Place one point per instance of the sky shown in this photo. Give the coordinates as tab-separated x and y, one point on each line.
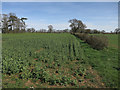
60	0
96	15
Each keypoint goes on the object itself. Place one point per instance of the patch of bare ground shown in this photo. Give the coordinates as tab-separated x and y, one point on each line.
55	86
97	78
31	68
65	69
39	50
13	82
75	61
7	77
35	58
30	84
38	82
5	80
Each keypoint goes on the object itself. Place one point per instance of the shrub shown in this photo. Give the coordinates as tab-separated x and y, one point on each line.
82	36
96	42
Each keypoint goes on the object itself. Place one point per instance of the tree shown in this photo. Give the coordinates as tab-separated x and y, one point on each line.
50	28
111	32
77	25
4	23
12	19
18	25
96	31
42	30
31	30
23	26
11	23
88	31
28	30
117	30
65	30
103	31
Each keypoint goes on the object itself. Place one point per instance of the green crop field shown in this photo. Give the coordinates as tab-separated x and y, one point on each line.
113	40
49	60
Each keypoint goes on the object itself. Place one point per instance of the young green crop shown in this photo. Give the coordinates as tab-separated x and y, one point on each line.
36	56
56	60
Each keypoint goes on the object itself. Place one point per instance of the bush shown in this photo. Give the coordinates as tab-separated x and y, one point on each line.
96	42
82	36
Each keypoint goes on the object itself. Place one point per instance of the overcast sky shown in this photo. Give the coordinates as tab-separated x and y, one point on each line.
96	15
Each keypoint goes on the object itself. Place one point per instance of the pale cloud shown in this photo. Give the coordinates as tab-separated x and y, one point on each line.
107	27
60	0
44	25
61	26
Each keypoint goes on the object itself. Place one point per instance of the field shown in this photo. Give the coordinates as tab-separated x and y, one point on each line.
49	60
113	40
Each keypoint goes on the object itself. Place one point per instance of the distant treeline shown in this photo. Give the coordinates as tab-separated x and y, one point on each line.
12	24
